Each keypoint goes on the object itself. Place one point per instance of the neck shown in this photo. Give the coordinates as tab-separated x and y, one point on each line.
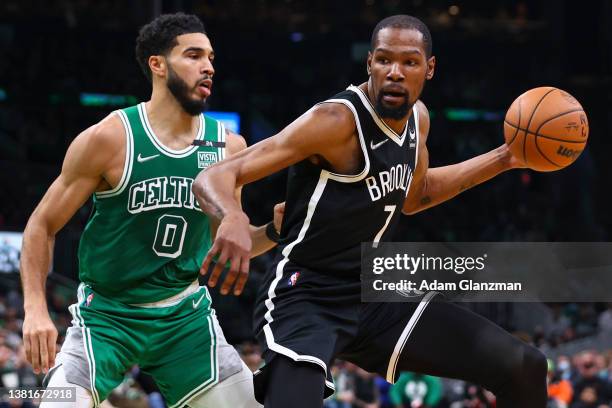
167	117
398	125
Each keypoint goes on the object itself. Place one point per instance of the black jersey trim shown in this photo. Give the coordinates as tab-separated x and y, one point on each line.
403	338
352	178
399	139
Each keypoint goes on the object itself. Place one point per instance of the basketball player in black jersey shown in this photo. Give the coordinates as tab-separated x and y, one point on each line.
358	160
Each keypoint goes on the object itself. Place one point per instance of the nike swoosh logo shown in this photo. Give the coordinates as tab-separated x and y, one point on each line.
412	133
196	304
144	159
377	145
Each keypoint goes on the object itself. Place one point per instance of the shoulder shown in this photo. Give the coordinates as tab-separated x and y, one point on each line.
328	123
335	112
234	142
97	145
108	133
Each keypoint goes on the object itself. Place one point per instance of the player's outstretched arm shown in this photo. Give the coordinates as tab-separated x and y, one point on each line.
433	186
321	131
261	242
81	174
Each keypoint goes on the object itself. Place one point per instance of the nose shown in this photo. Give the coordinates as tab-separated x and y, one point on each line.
395	73
207	68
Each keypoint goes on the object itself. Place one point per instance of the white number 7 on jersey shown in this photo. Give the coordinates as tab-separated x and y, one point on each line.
390	209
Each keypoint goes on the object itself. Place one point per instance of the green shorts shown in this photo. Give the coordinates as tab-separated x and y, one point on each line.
179	345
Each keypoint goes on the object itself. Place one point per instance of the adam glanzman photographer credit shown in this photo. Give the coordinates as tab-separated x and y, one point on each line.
405	263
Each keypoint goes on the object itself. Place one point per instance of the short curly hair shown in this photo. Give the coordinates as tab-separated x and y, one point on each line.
159	36
406	22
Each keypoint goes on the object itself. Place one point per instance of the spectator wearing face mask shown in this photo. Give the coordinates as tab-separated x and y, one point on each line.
589	387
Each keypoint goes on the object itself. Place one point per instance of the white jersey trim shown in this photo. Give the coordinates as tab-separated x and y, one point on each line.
272	344
417	135
129	159
221	138
403	338
347	178
176	299
399	139
78	321
177	154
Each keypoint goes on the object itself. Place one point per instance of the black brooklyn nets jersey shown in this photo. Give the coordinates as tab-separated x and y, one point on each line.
329	215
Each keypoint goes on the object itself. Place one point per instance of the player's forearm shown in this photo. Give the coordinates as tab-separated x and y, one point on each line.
36	256
261	242
214	189
443	183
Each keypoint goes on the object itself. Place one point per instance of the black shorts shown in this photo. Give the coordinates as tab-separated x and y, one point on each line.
314	317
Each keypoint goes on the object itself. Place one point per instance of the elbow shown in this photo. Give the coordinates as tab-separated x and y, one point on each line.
410	207
197	187
415	206
202	180
410	210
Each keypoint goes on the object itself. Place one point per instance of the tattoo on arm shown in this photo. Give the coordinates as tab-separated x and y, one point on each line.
425	200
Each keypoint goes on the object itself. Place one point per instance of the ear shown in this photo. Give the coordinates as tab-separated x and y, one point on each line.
157	65
431	66
369	63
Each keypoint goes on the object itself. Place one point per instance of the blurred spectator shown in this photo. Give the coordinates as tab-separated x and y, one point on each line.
560	391
605	320
251	355
355	388
414	390
476	397
589	386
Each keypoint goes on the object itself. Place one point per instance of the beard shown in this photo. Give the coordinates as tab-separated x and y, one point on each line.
392	112
182	92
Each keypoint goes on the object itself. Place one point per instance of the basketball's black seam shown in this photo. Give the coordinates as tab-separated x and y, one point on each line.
535	109
555	117
519	121
540	127
544	156
545	136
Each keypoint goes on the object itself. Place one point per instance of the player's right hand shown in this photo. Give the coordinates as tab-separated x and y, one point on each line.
39	340
232	243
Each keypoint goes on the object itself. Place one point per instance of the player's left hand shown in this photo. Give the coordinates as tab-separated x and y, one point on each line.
232	243
509	159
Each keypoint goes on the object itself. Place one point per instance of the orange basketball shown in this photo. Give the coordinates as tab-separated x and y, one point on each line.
546	128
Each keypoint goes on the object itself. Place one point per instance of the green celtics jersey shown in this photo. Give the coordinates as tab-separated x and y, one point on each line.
147	237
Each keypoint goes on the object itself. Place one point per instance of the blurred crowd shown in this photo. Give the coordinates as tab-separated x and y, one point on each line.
275	59
487	53
580	380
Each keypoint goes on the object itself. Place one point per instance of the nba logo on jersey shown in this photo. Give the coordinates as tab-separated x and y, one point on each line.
89	299
293	278
205	159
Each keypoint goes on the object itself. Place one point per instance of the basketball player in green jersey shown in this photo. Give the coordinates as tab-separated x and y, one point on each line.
139	301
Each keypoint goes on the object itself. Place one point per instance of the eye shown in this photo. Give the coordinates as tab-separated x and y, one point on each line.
383	60
193	56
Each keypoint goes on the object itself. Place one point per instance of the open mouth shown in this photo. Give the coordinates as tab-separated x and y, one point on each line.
205	87
394	96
